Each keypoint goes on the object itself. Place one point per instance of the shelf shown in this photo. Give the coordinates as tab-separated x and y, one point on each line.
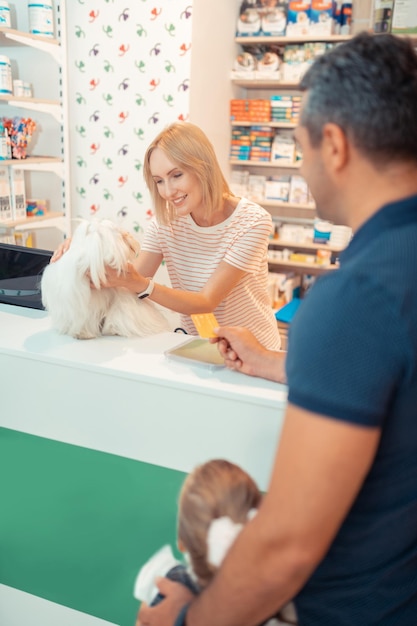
52	107
42	221
45	44
302	268
270	124
287	205
293	166
255	83
304	245
37	164
285	39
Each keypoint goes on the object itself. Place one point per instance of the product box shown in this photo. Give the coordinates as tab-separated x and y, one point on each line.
346	18
337	17
298	18
244	66
277	188
383	15
298	190
239	182
268	67
283	149
321	17
249	20
256	189
404	19
6	214
294	65
274	18
17	193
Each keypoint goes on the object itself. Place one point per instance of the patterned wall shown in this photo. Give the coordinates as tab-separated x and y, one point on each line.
128	74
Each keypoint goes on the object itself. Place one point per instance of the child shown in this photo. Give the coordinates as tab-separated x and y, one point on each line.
215	502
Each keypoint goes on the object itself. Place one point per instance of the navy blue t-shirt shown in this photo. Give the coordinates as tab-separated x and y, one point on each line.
353	356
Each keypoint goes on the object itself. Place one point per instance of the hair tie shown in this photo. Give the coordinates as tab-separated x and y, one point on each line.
221	535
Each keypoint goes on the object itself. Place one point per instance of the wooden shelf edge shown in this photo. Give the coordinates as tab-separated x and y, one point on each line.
293	166
31	221
242	39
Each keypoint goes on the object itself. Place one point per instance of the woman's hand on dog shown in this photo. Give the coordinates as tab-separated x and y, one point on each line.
61	250
130	279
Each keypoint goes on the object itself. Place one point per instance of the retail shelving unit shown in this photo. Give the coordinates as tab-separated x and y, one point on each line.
286	211
40	61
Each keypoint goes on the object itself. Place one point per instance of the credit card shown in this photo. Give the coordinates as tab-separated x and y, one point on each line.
205	323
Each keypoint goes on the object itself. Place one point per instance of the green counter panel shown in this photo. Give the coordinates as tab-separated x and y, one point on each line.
77	524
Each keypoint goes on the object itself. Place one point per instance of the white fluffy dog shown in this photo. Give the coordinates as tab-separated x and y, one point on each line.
77	309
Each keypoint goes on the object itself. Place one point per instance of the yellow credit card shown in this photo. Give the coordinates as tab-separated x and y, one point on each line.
205	323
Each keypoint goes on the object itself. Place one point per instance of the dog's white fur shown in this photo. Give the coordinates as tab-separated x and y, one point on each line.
77	309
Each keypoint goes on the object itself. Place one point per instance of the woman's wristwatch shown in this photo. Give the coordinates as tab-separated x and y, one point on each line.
148	291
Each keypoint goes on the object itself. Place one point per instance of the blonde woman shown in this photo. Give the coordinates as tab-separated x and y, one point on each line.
217	499
214	244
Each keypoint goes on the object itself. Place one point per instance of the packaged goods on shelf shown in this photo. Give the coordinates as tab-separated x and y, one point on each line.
322	231
249	20
346	18
285	108
295	233
9	239
321	17
41	18
340	236
267	66
404	19
252	142
244	66
240	143
382	15
283	149
283	288
5	21
274	19
36	208
298	18
298	190
22	89
257	19
6	85
25	238
239	182
17	193
299	57
337	17
5	199
256	188
294	65
323	257
261	140
256	110
5	146
277	188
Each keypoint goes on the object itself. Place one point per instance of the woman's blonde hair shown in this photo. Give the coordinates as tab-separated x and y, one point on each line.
189	148
215	489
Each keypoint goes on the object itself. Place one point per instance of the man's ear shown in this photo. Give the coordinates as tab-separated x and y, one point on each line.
181	546
335	147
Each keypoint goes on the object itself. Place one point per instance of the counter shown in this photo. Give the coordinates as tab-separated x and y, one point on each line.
95	439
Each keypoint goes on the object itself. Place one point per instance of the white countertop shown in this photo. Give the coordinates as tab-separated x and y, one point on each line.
27	332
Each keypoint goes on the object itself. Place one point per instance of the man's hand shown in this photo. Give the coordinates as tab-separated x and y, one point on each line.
165	613
243	352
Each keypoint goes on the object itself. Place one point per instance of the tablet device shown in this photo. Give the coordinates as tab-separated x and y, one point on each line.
197	352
